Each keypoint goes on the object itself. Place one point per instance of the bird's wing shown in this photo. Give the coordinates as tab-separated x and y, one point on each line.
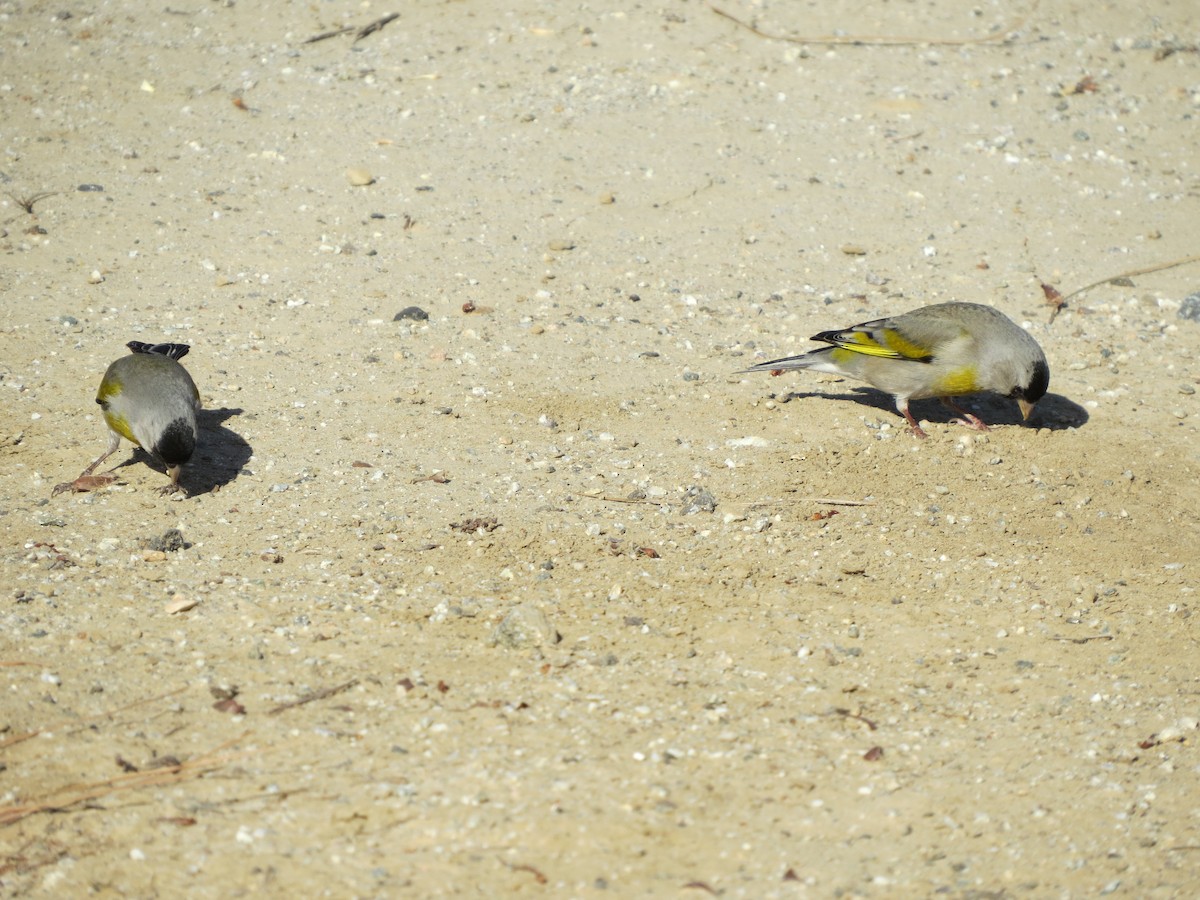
900	337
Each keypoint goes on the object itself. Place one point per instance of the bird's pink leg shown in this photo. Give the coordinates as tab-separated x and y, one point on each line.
913	427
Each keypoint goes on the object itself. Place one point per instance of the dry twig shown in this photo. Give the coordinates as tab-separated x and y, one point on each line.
375	26
315	695
1131	273
359	33
325	35
835	501
884	41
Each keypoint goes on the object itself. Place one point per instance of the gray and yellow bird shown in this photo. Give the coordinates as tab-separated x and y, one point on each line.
944	351
150	399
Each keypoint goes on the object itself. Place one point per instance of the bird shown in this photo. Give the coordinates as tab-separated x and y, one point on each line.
147	397
944	351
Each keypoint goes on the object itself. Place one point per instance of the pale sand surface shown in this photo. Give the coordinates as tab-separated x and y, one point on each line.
980	682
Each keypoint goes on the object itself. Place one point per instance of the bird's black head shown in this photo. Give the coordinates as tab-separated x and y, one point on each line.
1036	386
177	443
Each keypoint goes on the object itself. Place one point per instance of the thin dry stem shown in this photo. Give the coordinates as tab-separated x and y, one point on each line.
76	724
77	794
1132	273
881	41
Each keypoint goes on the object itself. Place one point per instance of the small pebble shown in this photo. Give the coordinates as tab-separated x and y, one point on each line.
525	626
562	245
698	499
359	177
180	603
411	312
1190	307
171	540
91	188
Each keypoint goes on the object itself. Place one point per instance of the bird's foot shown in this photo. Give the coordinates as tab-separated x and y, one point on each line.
964	418
971	421
174	487
85	482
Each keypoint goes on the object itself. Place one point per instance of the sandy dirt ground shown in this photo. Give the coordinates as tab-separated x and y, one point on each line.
537	596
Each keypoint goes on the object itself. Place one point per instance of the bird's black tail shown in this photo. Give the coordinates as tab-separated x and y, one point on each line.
174	351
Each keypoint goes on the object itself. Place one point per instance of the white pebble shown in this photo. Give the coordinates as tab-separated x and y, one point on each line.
180	603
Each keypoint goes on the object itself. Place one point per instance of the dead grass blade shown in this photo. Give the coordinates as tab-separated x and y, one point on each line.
73	795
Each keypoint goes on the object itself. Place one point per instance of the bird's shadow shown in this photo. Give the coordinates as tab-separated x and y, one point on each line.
1053	411
220	455
223	452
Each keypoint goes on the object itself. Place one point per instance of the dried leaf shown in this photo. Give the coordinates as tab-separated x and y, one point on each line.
126	765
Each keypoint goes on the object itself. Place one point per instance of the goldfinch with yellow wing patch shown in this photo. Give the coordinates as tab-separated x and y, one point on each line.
944	351
150	399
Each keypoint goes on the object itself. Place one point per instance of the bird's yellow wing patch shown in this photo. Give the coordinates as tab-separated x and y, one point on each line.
885	342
